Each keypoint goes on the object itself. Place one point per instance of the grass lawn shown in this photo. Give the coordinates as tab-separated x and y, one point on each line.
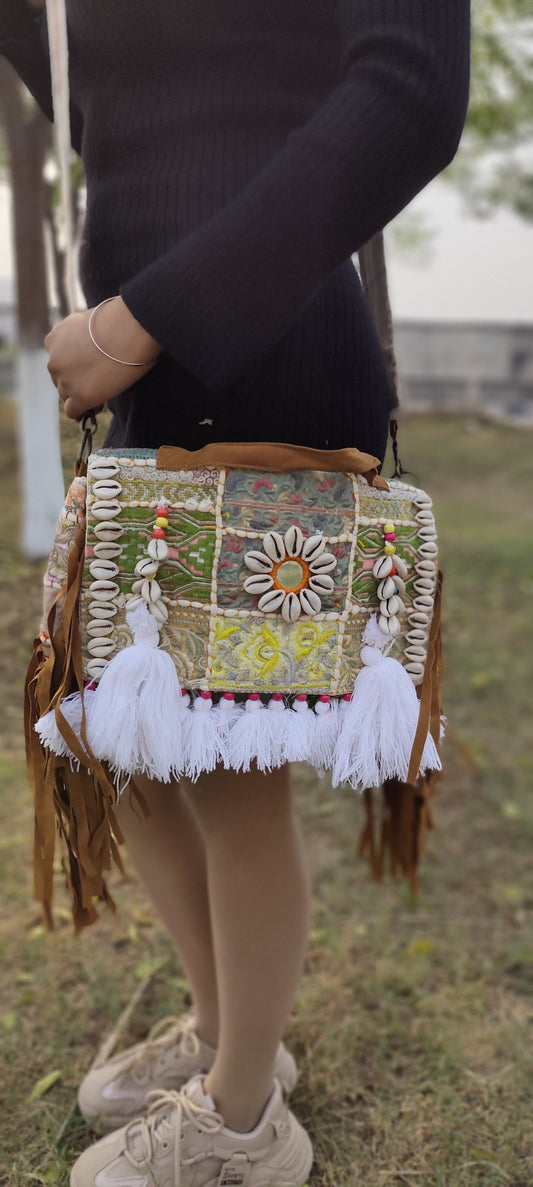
412	1021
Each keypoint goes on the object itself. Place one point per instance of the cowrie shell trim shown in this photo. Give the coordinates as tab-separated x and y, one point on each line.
107	488
102	569
103	610
103	591
96	667
106	550
159	610
108	530
99	627
100	646
105	511
428	549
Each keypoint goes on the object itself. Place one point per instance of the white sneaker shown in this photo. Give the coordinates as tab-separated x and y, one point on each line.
183	1142
114	1093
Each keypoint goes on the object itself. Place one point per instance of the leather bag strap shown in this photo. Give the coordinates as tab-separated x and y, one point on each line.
277	457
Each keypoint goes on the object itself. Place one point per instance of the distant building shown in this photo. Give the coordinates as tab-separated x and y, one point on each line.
481	368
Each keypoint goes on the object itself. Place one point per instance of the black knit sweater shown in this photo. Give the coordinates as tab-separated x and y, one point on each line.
237	152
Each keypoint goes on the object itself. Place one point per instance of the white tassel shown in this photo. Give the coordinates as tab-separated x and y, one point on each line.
325	730
279	715
299	731
378	727
137	721
71	708
373	636
253	738
204	747
228	712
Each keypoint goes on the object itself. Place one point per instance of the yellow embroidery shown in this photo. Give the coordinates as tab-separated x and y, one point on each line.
308	636
262	649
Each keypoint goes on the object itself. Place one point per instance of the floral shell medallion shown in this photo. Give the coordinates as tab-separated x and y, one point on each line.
290	574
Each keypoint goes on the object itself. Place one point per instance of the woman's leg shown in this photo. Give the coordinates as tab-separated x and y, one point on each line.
168	851
259	908
224	866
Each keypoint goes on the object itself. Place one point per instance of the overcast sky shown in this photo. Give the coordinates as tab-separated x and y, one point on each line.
477	270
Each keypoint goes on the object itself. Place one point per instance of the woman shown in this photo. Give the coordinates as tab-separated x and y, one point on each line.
236	153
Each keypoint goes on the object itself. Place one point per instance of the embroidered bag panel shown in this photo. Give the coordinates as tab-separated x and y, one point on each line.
260	581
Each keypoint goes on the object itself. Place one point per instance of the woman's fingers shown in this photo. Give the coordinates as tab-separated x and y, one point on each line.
84	376
76	407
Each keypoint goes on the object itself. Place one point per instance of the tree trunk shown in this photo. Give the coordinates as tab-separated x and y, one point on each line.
28	137
58	255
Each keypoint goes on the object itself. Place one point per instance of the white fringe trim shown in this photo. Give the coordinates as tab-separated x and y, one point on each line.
139	721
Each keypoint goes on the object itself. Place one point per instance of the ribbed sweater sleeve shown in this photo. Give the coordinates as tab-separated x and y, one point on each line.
22	43
226	293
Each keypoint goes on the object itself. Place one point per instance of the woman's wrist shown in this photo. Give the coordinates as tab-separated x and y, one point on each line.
117	334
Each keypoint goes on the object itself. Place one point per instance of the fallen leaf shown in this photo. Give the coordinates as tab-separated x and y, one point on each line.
142	918
146	967
420	948
479	1152
511	893
50	1175
45	1083
510	810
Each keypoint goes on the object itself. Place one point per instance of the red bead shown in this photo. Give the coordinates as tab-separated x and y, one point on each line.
159	533
393	572
184	692
302	696
163	511
228	696
324	699
390	536
254	696
205	694
277	696
347	696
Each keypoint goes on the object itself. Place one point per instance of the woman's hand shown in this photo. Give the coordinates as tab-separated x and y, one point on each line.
84	377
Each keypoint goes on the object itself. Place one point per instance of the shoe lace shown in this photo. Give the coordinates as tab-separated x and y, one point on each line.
162	1035
165	1117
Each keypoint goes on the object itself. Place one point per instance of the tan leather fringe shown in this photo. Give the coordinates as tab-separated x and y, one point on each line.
273	456
430	692
394	831
76	800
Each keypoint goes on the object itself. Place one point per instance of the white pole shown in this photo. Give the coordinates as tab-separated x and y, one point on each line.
40	460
